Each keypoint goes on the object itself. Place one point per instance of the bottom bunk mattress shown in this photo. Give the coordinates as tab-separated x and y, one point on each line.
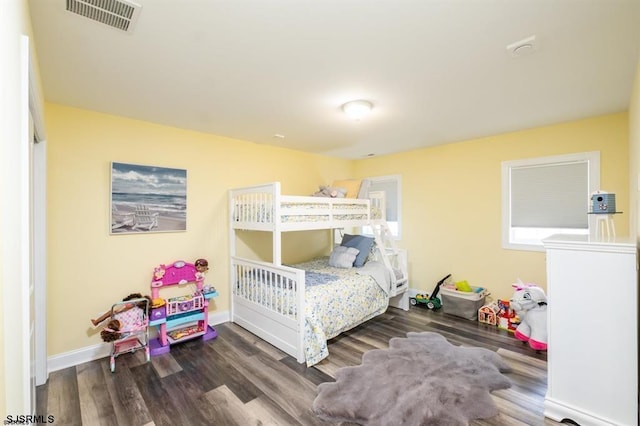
336	300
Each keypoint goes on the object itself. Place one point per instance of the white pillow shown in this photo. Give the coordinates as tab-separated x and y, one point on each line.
343	257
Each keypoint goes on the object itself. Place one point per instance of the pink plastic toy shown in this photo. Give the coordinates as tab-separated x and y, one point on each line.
130	319
184	317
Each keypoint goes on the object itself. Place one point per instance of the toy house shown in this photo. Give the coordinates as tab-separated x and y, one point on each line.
488	314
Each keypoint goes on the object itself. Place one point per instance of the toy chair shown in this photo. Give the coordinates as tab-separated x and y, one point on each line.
127	328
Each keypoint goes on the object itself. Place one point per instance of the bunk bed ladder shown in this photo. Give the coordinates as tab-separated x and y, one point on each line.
392	257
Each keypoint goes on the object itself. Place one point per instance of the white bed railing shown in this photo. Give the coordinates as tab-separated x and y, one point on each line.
263	208
254	205
268	300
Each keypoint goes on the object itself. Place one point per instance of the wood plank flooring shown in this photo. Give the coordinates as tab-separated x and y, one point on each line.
238	379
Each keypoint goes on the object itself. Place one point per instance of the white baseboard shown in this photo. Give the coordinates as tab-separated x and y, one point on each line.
412	292
101	350
559	411
78	356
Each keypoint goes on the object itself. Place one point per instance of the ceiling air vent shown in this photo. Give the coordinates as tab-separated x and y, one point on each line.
120	14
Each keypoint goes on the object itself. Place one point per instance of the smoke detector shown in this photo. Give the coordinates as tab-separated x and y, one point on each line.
120	14
523	47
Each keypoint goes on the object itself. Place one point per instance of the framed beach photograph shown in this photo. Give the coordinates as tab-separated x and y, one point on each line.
147	199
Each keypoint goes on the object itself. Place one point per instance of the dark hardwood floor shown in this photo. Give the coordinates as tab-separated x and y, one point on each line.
238	379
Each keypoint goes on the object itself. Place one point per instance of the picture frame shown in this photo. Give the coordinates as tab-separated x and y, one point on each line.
147	199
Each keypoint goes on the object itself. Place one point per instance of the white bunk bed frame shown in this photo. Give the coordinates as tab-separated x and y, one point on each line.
264	208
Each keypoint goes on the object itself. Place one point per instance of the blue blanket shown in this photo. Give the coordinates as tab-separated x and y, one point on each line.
312	278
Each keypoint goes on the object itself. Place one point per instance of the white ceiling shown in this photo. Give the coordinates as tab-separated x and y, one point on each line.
437	71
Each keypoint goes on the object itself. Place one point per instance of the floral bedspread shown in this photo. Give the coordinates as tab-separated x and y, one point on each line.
337	306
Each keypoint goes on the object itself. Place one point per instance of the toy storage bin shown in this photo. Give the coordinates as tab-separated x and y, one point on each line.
461	303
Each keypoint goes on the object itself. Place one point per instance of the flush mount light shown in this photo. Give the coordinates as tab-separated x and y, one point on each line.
357	109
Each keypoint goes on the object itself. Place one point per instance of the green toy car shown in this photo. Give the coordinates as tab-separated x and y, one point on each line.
432	302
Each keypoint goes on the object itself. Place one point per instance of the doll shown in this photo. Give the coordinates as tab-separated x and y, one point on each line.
112	330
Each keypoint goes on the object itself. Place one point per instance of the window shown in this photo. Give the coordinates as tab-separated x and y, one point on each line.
546	196
393	200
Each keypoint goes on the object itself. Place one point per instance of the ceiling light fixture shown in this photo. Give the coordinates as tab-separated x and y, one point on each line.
357	109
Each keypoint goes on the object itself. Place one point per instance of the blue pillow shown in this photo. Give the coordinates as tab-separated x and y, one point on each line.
360	242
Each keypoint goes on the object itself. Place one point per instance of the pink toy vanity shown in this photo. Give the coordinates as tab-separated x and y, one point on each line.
184	317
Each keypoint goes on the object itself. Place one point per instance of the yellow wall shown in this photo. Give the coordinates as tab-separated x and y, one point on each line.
451	205
451	199
90	269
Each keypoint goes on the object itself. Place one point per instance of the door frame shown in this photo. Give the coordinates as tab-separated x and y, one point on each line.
38	174
28	357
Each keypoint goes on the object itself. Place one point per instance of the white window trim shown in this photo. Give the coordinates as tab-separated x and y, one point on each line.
398	180
593	161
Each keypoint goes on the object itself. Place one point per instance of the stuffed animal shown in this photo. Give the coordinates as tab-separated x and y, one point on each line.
530	303
327	191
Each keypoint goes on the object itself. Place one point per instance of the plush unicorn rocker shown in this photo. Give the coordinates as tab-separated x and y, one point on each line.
530	303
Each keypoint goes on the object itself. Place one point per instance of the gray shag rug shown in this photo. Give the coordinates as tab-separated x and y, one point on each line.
419	380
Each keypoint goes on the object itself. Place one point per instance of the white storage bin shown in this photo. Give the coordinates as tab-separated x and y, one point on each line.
461	303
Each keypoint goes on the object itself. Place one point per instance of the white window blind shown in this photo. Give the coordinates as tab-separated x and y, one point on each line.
547	195
550	196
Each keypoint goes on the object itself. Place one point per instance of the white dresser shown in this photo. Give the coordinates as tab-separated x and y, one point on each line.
592	288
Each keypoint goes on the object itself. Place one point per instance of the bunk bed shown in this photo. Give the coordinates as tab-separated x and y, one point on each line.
297	308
